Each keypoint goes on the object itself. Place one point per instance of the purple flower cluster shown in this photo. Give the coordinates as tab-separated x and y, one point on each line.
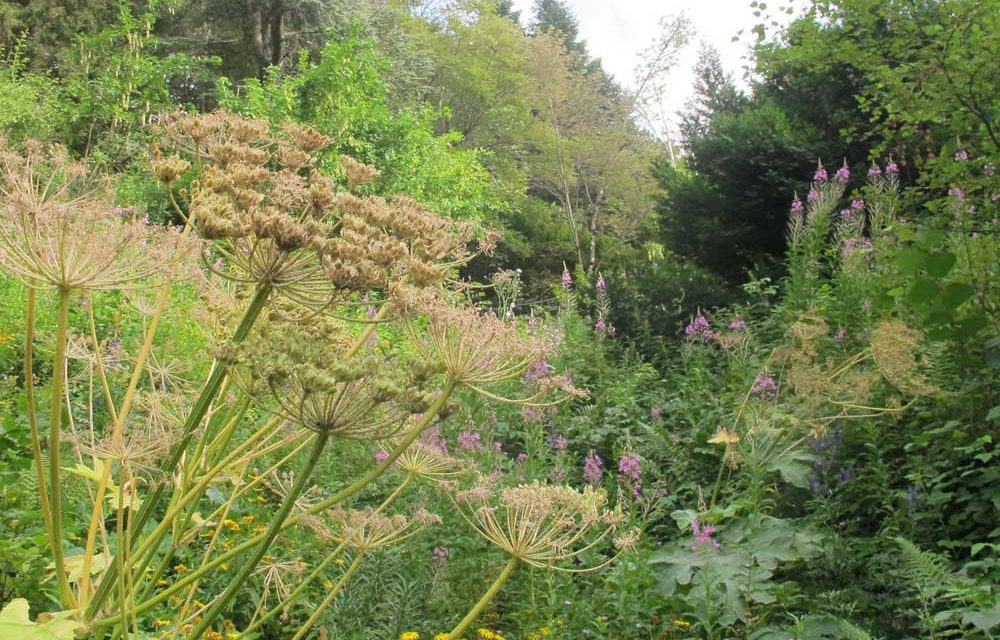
558	442
601	284
699	328
381	455
820	176
874	171
470	440
797	206
957	194
764	387
843	174
537	371
891	169
738	324
567	279
631	468
961	155
703	535
593	468
433	439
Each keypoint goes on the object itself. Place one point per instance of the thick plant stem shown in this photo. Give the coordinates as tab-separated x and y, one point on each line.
328	600
484	601
272	532
55	427
249	543
29	398
194	418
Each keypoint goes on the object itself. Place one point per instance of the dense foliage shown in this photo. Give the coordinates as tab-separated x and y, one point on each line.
266	370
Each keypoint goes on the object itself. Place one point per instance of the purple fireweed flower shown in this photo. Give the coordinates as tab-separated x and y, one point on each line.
820	176
630	467
433	439
600	326
593	468
892	168
381	455
840	335
961	155
764	387
601	284
874	171
522	457
847	214
843	174
797	206
217	265
738	324
537	371
857	204
559	442
699	328
813	196
703	535
470	440
567	279
498	446
957	194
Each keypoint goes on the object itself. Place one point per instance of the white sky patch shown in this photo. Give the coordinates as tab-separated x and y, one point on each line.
617	31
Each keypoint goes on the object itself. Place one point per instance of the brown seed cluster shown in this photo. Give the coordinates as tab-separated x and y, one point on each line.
277	219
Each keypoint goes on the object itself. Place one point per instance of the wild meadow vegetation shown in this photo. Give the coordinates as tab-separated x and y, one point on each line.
379	320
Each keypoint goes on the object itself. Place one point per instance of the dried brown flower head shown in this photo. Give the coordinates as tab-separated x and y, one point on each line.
368	529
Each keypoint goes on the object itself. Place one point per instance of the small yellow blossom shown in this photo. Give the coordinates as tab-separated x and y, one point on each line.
248	519
441	636
340	561
259	529
6	337
486	634
230	524
682	623
409	635
224	566
161	623
212	635
232	635
161	583
180	568
328	584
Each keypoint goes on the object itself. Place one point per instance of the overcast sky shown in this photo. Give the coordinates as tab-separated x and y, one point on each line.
616	31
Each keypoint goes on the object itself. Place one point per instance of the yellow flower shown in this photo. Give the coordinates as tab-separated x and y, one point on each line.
180	568
224	566
232	635
682	623
544	631
340	561
6	337
328	584
212	635
161	623
409	635
441	636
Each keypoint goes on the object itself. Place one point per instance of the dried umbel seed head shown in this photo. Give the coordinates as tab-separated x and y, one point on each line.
368	529
59	227
170	169
307	139
358	173
473	348
894	346
320	388
541	525
428	462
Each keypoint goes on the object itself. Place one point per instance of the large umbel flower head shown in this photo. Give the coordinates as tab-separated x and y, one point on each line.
59	228
544	526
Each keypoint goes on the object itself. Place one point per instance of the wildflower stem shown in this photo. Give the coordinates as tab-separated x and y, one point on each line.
328	600
303	585
268	537
29	396
718	482
429	416
194	418
55	426
484	601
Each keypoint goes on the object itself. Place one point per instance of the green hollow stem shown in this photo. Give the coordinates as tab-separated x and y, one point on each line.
272	532
319	507
328	600
491	593
55	427
29	399
201	405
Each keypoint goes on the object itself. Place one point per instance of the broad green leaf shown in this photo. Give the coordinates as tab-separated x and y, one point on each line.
910	260
16	625
939	264
955	293
923	292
